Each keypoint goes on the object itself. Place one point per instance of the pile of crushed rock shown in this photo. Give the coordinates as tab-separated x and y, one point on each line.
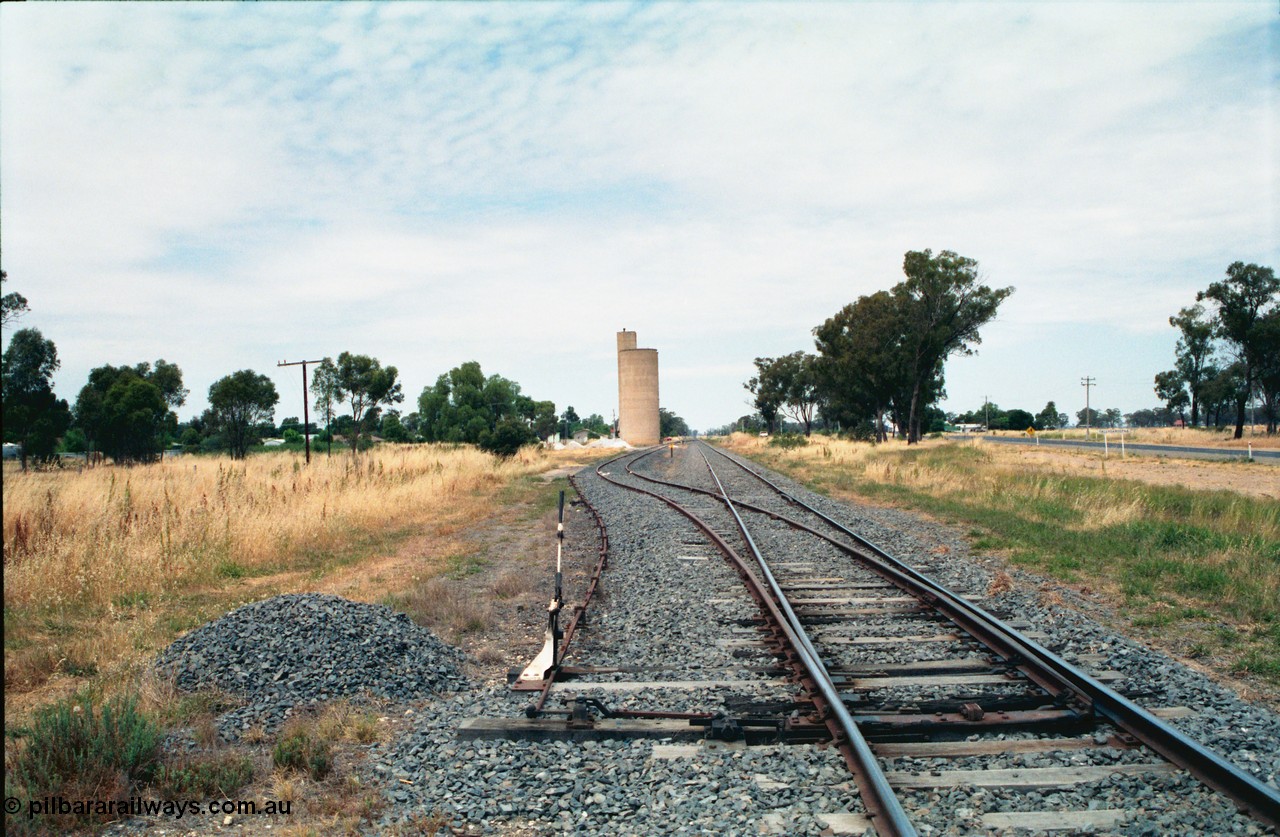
299	649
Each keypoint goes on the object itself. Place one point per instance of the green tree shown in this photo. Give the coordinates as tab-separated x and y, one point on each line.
768	390
1047	419
12	305
239	402
1193	352
123	413
861	363
788	384
943	306
544	421
1244	299
465	406
670	424
1088	417
596	424
1218	394
327	394
1268	373
32	416
392	429
799	375
365	385
570	417
508	436
1019	419
1171	388
1147	418
168	378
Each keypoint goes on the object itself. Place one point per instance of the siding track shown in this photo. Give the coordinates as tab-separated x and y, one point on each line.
882	652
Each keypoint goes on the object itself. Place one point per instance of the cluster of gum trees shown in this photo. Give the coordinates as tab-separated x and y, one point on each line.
883	355
465	406
127	412
1229	352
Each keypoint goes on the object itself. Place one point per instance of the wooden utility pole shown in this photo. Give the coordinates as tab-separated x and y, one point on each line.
1088	413
306	415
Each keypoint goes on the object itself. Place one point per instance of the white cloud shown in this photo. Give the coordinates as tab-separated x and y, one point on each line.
515	182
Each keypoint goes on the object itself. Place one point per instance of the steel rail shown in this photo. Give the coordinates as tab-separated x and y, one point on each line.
883	806
1044	667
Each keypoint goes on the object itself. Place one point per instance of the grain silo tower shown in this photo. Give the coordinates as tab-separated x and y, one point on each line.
637	392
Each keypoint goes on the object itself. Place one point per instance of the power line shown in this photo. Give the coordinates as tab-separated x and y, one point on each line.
1087	382
306	418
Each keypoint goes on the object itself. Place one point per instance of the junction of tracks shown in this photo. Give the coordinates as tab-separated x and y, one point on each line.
829	640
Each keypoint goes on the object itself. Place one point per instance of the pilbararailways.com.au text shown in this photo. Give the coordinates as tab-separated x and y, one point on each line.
136	806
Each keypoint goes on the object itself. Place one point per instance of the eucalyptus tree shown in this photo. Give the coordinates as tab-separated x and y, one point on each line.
943	304
768	391
32	415
238	403
366	385
1194	351
125	411
12	305
1245	299
861	363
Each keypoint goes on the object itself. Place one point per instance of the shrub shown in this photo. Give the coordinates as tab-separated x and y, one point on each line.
219	775
788	440
508	437
863	431
299	750
73	752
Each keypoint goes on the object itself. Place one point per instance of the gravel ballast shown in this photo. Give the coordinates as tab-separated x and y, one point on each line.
308	648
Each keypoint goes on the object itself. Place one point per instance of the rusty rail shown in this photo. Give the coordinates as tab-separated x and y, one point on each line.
1042	666
579	611
883	806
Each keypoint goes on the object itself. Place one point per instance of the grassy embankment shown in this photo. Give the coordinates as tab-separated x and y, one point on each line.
103	567
1198	570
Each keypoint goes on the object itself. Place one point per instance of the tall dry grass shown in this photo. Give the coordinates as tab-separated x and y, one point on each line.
106	535
103	564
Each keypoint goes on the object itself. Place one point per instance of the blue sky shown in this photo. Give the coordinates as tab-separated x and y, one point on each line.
229	185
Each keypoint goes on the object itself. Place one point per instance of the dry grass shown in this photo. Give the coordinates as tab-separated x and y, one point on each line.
104	566
447	609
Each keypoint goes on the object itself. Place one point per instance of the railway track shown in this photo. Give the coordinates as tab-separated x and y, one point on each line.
847	645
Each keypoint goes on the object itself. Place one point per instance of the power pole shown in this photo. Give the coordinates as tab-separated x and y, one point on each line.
306	415
1087	382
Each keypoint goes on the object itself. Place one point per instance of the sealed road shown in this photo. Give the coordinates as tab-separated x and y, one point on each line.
1268	456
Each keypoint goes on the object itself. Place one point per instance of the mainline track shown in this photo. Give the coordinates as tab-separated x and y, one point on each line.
1064	686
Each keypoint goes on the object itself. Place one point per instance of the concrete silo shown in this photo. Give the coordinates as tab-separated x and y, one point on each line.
637	392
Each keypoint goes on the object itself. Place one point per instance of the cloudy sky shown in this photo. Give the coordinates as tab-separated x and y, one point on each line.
230	185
